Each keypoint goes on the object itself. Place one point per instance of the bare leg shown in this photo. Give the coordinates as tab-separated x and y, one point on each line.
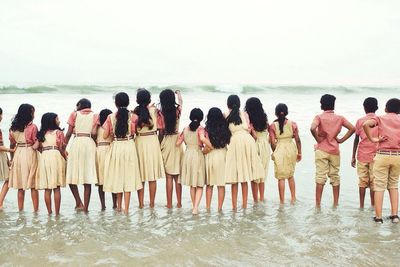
209	192
35	199
102	198
193	194
254	190
169	186
127	199
119	202
234	196
319	188
199	193
361	191
21	198
47	200
371	195
86	197
178	190
336	191
261	188
378	203
75	193
221	197
292	187
281	188
3	193
140	194
57	200
152	191
244	194
394	200
114	199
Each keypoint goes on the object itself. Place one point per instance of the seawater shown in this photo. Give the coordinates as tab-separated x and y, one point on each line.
263	234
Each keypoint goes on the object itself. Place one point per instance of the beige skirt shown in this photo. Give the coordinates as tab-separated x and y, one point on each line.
51	170
193	168
81	165
284	157
151	164
172	154
23	168
215	167
4	169
243	163
121	168
101	154
264	151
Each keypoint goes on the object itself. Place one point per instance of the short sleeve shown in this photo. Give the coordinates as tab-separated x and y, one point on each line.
72	119
134	120
96	120
272	132
181	137
31	134
60	138
107	124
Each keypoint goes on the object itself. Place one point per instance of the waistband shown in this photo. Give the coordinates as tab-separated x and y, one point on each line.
83	135
23	145
389	152
49	148
103	143
147	134
123	138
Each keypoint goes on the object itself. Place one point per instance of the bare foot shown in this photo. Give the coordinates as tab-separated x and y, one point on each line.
179	205
152	205
168	206
195	211
141	206
79	208
293	201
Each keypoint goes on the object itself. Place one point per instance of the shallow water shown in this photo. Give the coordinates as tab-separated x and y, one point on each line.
266	233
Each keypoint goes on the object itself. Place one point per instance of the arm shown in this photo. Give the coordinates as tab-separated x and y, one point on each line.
180	139
36	145
367	129
298	144
314	133
349	133
179	95
208	146
69	134
355	146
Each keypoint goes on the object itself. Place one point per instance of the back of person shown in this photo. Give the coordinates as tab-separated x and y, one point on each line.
153	120
389	126
366	148
331	124
84	123
241	128
191	139
287	134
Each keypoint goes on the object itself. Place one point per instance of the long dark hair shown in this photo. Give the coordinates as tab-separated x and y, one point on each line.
122	117
103	115
217	128
143	98
48	123
196	116
83	103
281	111
169	110
233	103
23	118
257	115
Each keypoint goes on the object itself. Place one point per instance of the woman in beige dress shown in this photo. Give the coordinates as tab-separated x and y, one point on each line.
25	159
51	168
216	140
81	166
193	164
285	152
168	126
259	130
151	164
121	168
243	164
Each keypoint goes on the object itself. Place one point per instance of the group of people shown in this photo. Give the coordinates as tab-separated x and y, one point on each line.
120	151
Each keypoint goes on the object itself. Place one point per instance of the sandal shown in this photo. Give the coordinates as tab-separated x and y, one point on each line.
378	220
394	218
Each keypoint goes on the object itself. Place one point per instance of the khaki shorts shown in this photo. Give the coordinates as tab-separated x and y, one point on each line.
386	172
365	174
327	165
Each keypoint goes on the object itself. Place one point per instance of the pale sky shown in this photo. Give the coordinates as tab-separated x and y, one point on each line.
181	41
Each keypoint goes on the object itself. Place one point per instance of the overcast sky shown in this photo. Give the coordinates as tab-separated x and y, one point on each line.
268	41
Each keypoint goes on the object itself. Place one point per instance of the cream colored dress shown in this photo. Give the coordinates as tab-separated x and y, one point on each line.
193	164
51	167
172	154
215	167
243	163
103	147
24	164
151	164
264	151
121	168
4	169
81	165
285	154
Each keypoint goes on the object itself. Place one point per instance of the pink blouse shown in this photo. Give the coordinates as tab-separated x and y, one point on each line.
72	117
272	130
30	134
160	118
108	125
200	131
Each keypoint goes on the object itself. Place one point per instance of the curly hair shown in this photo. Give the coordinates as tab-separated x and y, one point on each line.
169	110
196	116
122	117
257	115
23	118
48	123
217	128
143	98
233	103
281	111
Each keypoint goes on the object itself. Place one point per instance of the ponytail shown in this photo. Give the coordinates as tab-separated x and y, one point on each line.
143	98
281	111
196	116
121	126
281	120
233	103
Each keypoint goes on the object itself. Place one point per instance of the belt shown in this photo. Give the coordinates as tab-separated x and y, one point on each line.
148	133
123	138
103	143
23	145
50	148
389	152
83	135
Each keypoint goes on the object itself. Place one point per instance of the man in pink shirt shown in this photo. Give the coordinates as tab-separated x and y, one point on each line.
365	151
325	129
387	160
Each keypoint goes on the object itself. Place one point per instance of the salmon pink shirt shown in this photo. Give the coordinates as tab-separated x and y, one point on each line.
389	126
366	149
72	117
30	134
160	118
108	125
200	131
331	124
